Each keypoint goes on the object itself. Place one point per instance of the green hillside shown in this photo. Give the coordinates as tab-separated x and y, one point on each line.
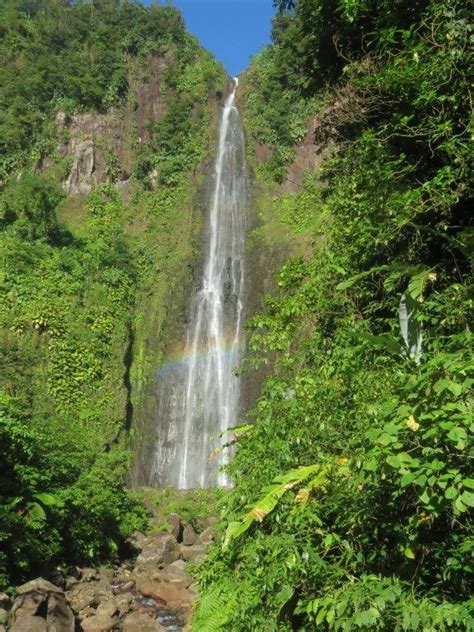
85	280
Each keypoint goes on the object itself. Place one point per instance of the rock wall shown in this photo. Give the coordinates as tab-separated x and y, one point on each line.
101	146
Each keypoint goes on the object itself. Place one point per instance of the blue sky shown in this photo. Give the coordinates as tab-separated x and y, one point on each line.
233	30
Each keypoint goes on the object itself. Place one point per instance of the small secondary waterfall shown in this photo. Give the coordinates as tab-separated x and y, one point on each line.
199	394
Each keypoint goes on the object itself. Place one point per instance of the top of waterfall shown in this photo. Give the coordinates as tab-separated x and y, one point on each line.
236	81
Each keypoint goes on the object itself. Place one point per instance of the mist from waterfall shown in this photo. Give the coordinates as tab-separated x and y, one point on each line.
199	395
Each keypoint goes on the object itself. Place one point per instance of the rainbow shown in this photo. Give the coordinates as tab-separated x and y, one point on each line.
177	359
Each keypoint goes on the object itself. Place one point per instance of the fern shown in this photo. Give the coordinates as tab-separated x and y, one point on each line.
214	610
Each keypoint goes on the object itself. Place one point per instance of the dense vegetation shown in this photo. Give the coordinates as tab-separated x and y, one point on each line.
66	56
353	489
76	275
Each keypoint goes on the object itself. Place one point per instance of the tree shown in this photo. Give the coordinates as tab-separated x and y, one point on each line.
29	204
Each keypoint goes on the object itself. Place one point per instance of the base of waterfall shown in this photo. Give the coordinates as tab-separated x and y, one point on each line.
153	591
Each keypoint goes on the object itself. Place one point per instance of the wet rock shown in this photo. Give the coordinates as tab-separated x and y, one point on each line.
189	535
207	536
189	553
176	527
138	622
158	550
98	623
126	587
148	587
29	623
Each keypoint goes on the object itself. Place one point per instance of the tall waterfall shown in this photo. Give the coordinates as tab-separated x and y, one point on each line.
199	395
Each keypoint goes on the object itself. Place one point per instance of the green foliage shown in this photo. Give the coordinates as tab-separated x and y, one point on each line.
195	506
78	306
29	204
386	542
70	56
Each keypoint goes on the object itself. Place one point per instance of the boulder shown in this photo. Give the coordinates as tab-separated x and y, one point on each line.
60	617
89	574
41	595
171	594
189	535
189	553
30	623
38	585
138	622
87	594
179	566
87	613
158	551
98	623
135	541
124	602
176	576
108	607
174	522
125	588
207	536
148	587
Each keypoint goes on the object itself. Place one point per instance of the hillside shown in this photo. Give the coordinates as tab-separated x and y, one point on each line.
107	111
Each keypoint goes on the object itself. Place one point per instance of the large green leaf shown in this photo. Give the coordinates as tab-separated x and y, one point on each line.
274	492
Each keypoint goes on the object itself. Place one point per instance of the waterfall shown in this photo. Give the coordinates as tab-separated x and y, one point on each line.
199	395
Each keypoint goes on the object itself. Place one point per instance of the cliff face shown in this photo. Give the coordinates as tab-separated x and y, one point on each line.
140	174
101	147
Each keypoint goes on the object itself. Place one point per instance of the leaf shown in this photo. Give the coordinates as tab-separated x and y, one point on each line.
49	500
425	497
344	285
36	512
459	505
393	461
274	492
409	553
407	479
468	499
418	282
451	493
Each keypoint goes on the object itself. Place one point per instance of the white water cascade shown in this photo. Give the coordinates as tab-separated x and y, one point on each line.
199	395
